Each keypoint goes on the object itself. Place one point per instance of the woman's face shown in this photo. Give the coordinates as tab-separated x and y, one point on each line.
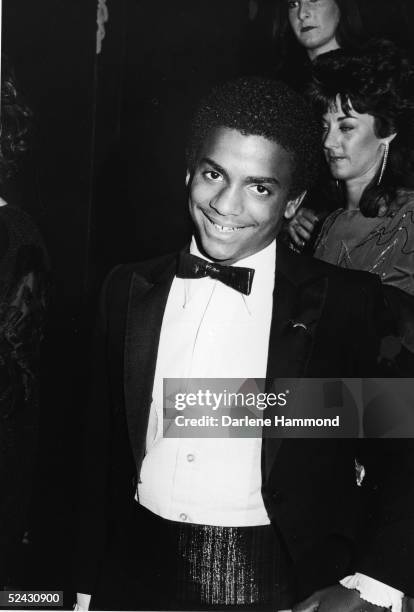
314	24
352	149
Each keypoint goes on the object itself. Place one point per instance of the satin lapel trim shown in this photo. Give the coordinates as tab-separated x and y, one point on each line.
146	307
296	315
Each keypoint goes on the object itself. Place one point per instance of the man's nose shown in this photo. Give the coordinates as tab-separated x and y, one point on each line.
227	201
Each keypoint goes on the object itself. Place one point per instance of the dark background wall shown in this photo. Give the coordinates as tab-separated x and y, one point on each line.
105	181
51	45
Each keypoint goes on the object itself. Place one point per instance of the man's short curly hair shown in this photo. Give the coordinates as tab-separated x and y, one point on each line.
256	106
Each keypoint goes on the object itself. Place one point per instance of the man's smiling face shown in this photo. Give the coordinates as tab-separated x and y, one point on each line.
239	194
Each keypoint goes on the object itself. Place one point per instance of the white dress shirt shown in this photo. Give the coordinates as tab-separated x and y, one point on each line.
209	330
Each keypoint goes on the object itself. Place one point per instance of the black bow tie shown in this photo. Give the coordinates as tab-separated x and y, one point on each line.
190	266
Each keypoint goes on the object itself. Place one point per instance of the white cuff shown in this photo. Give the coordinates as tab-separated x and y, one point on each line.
374	591
82	602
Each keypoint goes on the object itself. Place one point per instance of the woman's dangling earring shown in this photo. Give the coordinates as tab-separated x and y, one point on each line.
384	161
337	183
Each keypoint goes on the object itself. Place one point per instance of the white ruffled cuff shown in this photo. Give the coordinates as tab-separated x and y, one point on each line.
374	591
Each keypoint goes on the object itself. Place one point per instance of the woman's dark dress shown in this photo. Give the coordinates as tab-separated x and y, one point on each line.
23	290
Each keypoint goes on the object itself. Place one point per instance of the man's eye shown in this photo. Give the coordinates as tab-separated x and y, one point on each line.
212	175
260	189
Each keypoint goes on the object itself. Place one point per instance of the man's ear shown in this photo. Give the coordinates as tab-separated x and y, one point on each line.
293	205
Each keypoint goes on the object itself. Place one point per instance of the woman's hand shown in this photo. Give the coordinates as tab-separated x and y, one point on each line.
301	227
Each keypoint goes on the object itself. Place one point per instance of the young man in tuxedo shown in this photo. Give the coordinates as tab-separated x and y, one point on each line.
179	523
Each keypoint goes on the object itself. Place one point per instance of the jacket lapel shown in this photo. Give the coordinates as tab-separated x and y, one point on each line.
298	300
146	307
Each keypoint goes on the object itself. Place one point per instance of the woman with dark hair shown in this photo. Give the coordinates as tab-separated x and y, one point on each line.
305	29
366	103
23	289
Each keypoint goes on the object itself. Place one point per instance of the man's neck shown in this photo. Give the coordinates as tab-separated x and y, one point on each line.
250	261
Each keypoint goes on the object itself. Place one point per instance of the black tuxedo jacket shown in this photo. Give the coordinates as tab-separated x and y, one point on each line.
329	525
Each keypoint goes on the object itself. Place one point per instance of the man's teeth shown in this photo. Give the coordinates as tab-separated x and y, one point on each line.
223	228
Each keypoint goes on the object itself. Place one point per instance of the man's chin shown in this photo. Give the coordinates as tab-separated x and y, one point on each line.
217	252
220	257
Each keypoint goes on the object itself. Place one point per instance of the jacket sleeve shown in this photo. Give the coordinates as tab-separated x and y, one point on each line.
386	543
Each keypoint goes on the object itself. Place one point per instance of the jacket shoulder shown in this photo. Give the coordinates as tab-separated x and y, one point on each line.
119	278
310	267
351	278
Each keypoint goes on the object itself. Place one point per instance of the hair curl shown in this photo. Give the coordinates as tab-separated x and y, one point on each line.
379	81
14	120
262	107
349	33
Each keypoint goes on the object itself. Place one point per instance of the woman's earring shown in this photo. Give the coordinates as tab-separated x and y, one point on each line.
337	184
384	161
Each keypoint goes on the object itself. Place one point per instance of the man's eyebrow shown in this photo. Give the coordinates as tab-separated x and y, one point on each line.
248	179
262	179
213	164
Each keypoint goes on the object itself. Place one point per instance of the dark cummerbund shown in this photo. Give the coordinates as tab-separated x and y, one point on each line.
207	566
